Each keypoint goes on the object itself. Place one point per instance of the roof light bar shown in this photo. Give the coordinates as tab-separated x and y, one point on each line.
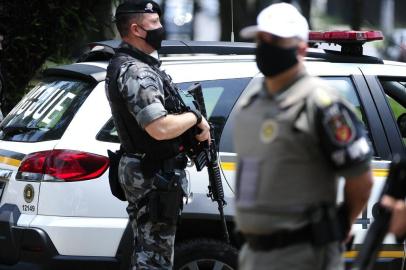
350	41
345	36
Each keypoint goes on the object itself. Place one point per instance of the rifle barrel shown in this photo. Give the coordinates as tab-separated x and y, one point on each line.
223	221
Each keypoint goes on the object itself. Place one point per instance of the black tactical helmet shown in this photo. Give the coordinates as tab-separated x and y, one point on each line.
141	6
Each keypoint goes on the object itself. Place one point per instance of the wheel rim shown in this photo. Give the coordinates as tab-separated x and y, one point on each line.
206	264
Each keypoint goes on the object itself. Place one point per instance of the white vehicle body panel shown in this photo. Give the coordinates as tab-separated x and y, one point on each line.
14	190
78	236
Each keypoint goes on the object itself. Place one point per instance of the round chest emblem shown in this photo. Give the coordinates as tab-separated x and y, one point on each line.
269	130
28	193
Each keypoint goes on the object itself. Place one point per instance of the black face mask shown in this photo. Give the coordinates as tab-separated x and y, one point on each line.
154	37
273	60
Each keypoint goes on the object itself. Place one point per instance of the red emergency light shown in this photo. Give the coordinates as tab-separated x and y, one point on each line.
350	41
345	36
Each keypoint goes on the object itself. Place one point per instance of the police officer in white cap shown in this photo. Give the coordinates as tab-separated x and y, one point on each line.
295	137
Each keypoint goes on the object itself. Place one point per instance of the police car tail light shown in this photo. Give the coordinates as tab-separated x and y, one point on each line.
31	167
62	165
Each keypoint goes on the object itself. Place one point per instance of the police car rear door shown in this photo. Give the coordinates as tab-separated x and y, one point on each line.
386	84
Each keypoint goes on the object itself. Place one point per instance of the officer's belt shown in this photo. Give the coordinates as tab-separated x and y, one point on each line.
280	239
178	162
134	155
166	165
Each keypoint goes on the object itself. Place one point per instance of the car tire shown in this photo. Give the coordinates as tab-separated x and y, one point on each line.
205	254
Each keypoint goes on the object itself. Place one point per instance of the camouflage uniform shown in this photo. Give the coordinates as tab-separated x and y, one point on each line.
142	89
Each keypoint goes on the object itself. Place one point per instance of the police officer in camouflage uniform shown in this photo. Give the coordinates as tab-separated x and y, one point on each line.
294	137
151	170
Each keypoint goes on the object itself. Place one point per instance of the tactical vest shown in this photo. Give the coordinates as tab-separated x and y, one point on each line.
132	137
282	171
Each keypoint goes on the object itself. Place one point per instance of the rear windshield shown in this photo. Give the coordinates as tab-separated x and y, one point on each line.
46	111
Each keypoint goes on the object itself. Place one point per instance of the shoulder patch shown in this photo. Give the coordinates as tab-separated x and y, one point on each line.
148	78
146	72
338	124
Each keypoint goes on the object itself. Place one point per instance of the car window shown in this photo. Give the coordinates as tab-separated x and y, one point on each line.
395	92
108	133
46	111
344	85
219	95
346	89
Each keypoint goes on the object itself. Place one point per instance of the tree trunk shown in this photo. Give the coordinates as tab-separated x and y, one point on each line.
357	16
244	15
305	5
387	16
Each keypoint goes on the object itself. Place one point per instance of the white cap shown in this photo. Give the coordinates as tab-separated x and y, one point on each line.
282	20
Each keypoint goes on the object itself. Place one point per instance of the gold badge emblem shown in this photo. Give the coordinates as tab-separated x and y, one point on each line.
28	193
268	131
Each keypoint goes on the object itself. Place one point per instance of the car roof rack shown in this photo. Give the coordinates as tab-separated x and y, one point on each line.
105	49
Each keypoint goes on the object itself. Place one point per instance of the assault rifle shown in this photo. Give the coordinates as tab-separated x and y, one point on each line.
202	154
208	157
395	187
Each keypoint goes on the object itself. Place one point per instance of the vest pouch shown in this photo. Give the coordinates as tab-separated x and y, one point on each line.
248	181
165	202
114	183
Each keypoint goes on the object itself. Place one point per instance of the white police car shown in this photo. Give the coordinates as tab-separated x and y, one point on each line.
56	209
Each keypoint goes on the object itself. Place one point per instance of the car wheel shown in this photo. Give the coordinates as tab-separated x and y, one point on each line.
205	254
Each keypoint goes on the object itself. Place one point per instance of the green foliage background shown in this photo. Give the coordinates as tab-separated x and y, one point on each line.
38	30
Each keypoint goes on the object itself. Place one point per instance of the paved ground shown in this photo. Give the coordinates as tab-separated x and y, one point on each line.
21	266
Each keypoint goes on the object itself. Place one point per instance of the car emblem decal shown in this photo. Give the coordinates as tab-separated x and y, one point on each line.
28	193
149	7
269	130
